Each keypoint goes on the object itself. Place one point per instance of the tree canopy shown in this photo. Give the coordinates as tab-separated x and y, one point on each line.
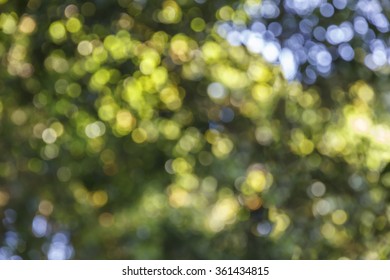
192	130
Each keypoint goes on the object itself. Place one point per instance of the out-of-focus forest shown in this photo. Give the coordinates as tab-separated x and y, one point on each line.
194	129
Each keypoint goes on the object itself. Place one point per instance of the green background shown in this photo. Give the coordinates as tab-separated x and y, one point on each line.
133	130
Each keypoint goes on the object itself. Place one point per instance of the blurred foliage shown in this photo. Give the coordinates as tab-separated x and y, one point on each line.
314	39
132	130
